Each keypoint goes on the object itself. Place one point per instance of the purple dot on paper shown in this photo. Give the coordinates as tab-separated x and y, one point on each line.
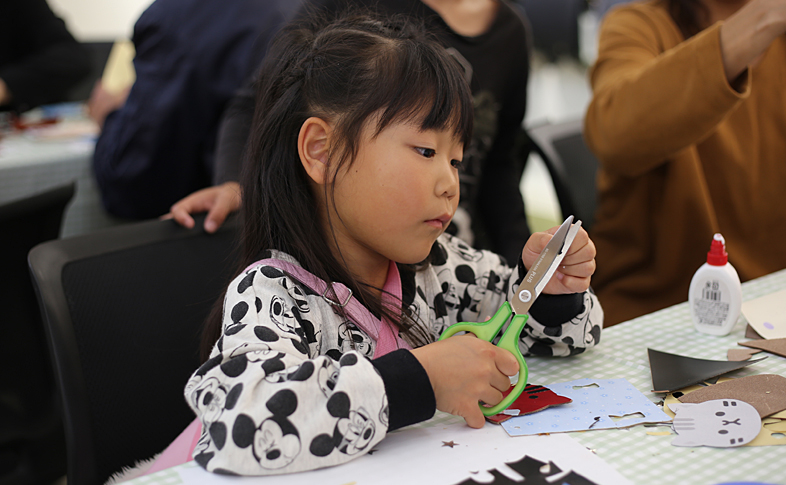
769	326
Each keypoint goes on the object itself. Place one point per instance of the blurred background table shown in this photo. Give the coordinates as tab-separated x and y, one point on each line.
641	458
37	159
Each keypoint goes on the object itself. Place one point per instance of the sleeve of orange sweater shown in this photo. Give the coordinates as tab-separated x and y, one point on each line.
652	101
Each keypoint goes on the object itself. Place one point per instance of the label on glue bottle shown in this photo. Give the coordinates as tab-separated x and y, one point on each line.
711	304
715	294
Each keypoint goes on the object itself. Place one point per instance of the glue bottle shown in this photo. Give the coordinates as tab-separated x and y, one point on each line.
715	294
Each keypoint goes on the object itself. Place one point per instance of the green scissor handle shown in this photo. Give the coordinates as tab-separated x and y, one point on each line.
509	341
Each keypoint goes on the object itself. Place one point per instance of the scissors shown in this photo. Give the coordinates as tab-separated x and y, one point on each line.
531	286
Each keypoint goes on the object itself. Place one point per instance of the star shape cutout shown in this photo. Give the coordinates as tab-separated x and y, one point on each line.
449	443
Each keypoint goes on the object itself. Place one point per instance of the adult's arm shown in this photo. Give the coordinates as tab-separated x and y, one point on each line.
649	104
52	62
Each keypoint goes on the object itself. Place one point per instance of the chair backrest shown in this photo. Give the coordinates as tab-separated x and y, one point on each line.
29	409
124	310
573	167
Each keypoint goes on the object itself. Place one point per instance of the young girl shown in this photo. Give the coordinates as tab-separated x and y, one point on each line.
328	336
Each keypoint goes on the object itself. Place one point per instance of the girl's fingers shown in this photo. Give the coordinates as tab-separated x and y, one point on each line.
492	397
572	284
581	270
501	383
474	417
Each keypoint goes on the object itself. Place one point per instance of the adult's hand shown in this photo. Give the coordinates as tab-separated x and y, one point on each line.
5	94
576	268
748	33
103	102
219	201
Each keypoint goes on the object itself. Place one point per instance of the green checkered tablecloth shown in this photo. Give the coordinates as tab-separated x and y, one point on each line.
643	458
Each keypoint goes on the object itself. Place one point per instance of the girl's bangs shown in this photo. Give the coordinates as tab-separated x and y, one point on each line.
428	91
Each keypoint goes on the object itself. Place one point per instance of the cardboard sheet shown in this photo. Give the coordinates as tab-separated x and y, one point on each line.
597	404
427	461
767	315
671	371
765	392
773	346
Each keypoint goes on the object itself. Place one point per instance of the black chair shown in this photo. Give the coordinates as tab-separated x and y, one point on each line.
573	167
123	310
32	445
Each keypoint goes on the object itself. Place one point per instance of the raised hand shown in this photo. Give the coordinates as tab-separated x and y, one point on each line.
576	269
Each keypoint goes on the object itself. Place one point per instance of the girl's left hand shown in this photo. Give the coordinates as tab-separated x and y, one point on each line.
573	274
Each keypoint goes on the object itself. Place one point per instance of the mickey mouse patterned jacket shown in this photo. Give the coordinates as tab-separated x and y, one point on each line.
291	386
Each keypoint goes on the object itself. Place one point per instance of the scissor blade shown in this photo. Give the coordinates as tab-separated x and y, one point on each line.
547	263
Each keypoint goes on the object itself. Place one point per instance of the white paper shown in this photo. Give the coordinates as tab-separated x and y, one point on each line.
417	455
767	315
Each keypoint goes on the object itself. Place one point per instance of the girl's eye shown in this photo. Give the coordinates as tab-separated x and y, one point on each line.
456	163
426	152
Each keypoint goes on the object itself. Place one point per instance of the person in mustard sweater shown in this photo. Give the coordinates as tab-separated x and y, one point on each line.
688	120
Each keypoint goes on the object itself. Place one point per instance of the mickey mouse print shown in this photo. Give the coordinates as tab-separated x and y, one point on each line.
293	386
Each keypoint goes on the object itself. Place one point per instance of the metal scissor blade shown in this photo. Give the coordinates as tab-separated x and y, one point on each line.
547	263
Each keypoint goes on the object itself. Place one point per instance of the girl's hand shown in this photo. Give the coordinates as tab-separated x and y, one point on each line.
573	274
464	370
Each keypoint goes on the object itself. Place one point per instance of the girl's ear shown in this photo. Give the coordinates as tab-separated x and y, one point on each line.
313	145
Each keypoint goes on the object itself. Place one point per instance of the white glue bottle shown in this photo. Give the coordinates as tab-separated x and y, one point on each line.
715	294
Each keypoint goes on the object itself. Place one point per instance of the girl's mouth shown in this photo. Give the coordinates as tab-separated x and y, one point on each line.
440	222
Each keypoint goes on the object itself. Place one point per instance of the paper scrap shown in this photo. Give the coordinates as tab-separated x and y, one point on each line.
774	346
671	371
534	398
751	333
767	315
738	355
765	392
611	399
119	71
721	423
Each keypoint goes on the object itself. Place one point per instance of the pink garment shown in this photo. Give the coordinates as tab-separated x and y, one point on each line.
384	333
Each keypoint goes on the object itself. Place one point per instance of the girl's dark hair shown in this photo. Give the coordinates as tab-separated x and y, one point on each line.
689	15
350	71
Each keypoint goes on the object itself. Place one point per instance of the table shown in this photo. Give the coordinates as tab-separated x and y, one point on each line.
32	162
642	458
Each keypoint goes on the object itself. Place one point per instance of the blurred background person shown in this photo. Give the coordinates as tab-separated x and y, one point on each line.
39	59
158	140
688	120
491	40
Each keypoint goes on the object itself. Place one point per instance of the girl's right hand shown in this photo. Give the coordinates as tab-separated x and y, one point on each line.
464	370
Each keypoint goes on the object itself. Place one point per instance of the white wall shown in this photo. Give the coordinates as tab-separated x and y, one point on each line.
99	20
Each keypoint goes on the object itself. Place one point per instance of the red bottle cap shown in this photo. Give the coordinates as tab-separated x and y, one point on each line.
717	255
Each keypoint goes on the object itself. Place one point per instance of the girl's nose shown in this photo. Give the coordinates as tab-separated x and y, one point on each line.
448	182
